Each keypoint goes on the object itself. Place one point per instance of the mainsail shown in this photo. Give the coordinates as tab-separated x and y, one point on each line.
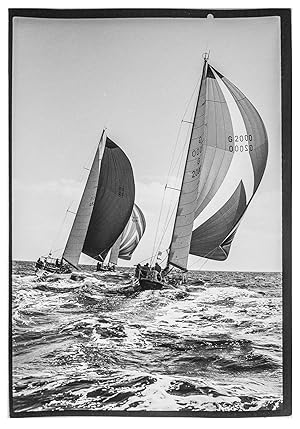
130	237
105	206
225	162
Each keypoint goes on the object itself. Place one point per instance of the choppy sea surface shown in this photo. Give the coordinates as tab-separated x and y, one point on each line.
78	346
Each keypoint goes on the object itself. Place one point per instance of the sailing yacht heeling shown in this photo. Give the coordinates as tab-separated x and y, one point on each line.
215	143
225	163
105	206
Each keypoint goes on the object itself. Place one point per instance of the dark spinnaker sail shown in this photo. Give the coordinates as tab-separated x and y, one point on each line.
113	204
105	206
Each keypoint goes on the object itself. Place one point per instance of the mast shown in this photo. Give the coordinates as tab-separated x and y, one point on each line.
186	238
83	215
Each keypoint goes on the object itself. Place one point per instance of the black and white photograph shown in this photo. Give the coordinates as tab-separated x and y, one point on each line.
150	212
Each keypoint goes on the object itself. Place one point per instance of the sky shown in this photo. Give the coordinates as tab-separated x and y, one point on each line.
136	77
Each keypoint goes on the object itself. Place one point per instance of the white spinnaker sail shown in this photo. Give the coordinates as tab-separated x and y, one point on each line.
204	224
212	236
240	166
130	237
83	215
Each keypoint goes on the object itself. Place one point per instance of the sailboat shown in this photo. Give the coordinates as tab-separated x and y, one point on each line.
104	209
128	240
225	163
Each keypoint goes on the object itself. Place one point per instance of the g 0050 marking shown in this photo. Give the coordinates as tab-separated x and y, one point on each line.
241	148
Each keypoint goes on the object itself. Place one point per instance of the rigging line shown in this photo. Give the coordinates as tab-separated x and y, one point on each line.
164	194
157	227
188	105
211	251
80	179
56	250
173	166
60	229
180	156
166	227
167	221
179	130
88	161
147	259
196	262
162	261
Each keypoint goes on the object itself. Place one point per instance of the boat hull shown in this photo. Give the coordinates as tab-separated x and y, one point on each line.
104	270
147	284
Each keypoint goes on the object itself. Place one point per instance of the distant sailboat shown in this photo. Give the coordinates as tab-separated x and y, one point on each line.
225	162
104	210
129	239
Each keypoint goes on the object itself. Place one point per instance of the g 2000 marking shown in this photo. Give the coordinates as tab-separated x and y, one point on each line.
240	138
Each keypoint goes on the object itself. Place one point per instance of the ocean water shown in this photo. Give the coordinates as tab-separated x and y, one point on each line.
78	346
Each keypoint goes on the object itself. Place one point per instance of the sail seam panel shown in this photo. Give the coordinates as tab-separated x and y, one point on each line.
199	210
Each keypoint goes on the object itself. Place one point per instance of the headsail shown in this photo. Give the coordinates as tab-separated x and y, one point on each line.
79	229
105	206
114	253
205	225
130	237
183	227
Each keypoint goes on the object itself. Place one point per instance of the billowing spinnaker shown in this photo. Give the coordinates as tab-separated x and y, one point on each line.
209	160
130	237
80	225
132	234
213	238
255	128
113	204
217	156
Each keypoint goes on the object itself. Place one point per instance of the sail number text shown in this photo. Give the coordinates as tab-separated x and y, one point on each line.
241	148
92	201
121	191
196	172
240	139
